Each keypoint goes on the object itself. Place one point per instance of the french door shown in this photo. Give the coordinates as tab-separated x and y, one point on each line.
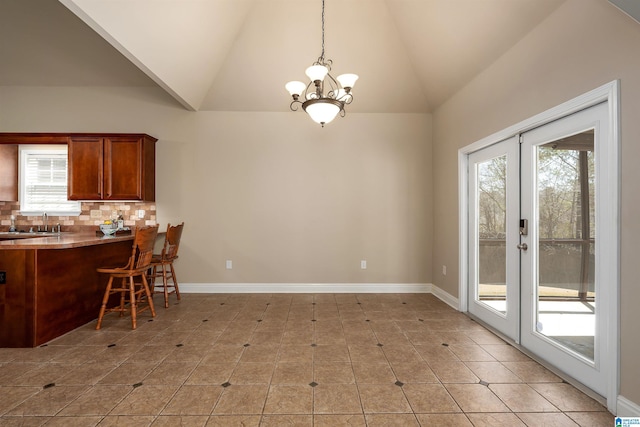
540	224
494	183
563	309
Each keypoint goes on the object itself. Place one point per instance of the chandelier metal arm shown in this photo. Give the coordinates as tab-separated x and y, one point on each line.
309	102
294	105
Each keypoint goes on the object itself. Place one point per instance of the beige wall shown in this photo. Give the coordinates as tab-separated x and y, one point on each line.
285	200
584	44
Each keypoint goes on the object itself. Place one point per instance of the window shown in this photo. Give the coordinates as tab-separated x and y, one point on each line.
43	181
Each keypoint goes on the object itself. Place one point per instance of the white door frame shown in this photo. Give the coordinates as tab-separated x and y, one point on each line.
610	244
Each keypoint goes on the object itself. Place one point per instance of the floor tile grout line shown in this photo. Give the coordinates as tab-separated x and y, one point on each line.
266	399
243	306
361	403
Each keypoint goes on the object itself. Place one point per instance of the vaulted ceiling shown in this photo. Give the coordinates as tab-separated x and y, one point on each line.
236	55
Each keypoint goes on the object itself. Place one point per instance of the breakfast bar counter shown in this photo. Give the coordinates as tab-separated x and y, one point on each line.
49	285
56	240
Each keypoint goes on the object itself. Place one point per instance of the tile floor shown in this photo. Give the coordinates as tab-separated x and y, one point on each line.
288	359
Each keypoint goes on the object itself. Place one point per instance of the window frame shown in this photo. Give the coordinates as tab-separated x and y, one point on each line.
26	209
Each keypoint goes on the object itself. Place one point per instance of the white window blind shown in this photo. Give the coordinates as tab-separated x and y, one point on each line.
44	181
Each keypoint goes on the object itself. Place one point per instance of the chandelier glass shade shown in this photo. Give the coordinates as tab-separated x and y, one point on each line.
324	97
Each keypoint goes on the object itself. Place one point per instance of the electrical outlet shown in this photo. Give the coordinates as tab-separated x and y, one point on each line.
363	264
229	264
141	213
444	270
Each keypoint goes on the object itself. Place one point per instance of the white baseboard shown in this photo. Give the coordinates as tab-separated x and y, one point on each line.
445	297
627	408
309	288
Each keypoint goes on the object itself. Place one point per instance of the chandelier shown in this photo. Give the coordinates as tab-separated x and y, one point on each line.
324	97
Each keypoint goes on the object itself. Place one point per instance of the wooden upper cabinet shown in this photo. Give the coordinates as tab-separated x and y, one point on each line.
126	169
101	166
8	172
112	167
85	168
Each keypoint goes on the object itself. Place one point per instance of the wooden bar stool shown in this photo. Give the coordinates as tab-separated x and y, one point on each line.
161	262
138	265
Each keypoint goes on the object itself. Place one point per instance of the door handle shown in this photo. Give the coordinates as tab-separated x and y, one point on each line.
523	247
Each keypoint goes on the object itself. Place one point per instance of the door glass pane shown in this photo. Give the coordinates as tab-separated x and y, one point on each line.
492	214
566	296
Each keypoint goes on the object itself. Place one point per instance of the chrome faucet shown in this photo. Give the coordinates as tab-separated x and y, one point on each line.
44	221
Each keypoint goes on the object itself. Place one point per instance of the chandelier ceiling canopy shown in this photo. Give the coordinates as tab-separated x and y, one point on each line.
324	97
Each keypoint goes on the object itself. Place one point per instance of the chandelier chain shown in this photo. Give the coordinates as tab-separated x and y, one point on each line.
322	56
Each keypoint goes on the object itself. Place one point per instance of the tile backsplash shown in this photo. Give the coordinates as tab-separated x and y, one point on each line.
92	214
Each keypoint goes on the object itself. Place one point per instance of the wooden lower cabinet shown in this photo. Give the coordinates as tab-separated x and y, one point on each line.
49	292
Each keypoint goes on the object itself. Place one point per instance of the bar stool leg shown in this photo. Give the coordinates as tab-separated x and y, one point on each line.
166	285
103	307
132	300
145	285
123	286
175	281
151	279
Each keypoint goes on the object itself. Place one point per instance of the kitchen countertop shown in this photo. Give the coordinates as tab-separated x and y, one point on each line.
64	240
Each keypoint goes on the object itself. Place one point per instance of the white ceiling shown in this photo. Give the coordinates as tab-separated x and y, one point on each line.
236	55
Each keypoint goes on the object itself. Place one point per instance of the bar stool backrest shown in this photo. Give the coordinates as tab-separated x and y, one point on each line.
143	247
172	242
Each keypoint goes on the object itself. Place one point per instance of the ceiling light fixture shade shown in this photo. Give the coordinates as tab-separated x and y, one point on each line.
324	97
316	72
322	110
347	81
295	88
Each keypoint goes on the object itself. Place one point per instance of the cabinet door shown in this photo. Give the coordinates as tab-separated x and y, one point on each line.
85	168
123	168
9	172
